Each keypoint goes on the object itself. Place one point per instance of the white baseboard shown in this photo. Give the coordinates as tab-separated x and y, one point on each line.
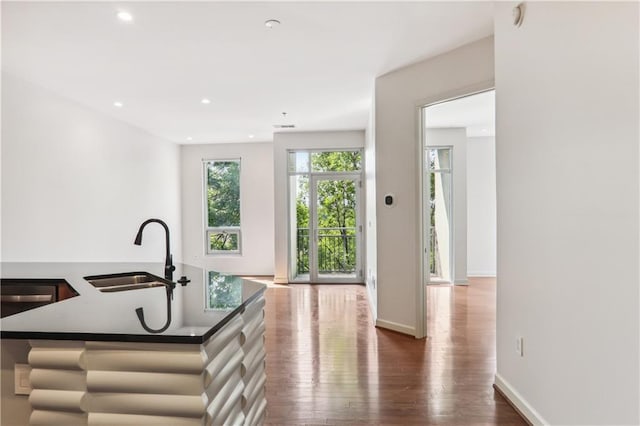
400	328
482	274
461	282
280	280
525	409
372	306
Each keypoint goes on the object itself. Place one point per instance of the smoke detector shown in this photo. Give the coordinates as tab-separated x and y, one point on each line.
271	23
284	126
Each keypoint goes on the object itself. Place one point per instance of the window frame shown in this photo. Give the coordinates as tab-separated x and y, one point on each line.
312	174
209	230
442	171
310	152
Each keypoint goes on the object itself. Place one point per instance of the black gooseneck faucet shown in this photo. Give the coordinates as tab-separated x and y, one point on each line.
168	275
168	261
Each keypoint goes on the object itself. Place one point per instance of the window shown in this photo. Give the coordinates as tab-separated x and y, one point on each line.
222	215
439	170
324	161
324	223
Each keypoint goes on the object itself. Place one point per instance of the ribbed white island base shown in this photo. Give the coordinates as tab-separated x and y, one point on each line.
220	382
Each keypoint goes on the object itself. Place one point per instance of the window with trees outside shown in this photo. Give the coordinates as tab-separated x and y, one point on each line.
324	231
222	195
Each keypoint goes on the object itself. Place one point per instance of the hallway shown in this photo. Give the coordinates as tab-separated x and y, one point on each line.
327	364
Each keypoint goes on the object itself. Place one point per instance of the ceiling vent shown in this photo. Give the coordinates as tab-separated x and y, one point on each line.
284	126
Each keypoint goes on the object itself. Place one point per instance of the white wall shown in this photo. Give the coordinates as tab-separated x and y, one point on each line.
299	140
256	207
370	213
77	184
456	138
398	96
567	85
481	207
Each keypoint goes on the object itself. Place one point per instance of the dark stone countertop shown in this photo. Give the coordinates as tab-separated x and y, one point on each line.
101	316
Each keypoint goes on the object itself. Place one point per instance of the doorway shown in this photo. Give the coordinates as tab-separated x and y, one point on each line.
325	226
458	195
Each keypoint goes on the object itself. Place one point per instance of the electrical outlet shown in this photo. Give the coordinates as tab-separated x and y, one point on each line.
21	377
520	345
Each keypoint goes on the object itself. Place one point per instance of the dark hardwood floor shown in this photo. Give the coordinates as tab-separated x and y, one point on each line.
328	364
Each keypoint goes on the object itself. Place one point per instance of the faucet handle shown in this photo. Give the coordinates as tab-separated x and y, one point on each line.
184	280
169	263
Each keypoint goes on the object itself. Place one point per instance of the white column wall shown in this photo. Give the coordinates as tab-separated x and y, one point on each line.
481	207
370	213
567	95
299	140
256	207
77	184
398	97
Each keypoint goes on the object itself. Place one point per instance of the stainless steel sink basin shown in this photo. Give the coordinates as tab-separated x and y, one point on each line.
126	281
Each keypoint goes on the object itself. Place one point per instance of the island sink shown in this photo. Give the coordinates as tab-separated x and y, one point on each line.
126	281
92	362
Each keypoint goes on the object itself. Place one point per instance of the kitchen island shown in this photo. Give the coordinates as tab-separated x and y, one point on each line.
94	363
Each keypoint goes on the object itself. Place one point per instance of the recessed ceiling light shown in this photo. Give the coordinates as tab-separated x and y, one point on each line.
189	138
125	16
270	23
252	136
118	104
205	101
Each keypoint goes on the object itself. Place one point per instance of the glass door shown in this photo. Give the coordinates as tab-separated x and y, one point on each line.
335	228
325	230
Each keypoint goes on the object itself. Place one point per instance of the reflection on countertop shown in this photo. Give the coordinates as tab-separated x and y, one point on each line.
20	295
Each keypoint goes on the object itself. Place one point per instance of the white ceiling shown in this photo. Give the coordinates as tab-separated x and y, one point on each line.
477	113
319	65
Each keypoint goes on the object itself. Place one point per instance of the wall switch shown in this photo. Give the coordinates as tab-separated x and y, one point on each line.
22	382
520	345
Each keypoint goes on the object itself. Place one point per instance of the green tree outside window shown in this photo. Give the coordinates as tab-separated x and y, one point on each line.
223	205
